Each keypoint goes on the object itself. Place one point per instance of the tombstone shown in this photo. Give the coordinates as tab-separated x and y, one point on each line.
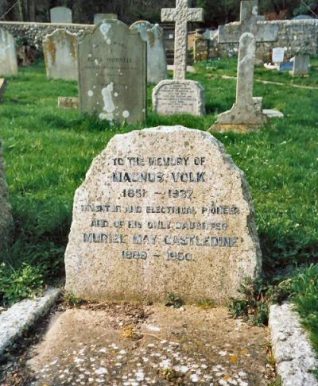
60	54
278	55
112	73
249	18
8	56
161	211
301	65
6	221
3	86
181	94
99	17
156	56
61	15
246	113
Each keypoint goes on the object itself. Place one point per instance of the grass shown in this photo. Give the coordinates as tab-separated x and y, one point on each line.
48	152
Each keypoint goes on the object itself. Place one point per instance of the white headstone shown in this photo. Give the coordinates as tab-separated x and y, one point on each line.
8	56
278	54
162	210
156	56
60	53
61	15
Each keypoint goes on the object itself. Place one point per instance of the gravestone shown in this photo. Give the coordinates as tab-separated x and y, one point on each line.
8	55
179	93
161	211
231	33
156	56
60	54
3	85
278	55
61	15
5	208
99	17
112	73
246	113
301	65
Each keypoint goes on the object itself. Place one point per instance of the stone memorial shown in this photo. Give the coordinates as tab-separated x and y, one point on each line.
6	221
3	86
60	54
249	18
161	211
182	94
61	15
278	55
99	17
156	56
246	113
8	55
112	73
301	65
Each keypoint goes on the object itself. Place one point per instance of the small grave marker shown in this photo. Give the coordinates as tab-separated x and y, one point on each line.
162	210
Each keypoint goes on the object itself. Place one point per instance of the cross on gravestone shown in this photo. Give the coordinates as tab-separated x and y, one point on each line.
181	15
249	19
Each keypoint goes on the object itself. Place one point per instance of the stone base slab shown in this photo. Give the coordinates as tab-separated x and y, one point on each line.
171	97
294	355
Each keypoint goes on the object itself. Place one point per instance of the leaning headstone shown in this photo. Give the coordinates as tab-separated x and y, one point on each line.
112	73
8	55
60	54
5	208
183	96
99	17
156	56
246	114
162	211
301	65
61	15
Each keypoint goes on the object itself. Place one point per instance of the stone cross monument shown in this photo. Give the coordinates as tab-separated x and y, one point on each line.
181	15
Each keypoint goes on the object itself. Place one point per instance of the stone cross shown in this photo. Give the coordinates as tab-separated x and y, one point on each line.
249	19
181	15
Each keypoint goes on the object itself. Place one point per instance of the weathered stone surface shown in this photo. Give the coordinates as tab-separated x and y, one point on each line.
21	316
181	15
171	97
292	350
156	56
99	17
60	54
249	22
112	73
162	210
6	221
246	113
8	55
301	65
3	86
61	15
68	102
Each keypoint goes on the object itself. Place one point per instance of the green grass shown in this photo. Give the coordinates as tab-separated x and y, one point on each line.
48	152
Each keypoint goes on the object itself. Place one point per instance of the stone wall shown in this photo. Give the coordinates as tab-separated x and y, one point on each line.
298	36
5	209
33	33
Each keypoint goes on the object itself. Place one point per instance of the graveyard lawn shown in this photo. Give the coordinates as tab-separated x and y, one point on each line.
48	151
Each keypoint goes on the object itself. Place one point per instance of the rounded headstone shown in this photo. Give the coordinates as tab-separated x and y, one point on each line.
163	210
